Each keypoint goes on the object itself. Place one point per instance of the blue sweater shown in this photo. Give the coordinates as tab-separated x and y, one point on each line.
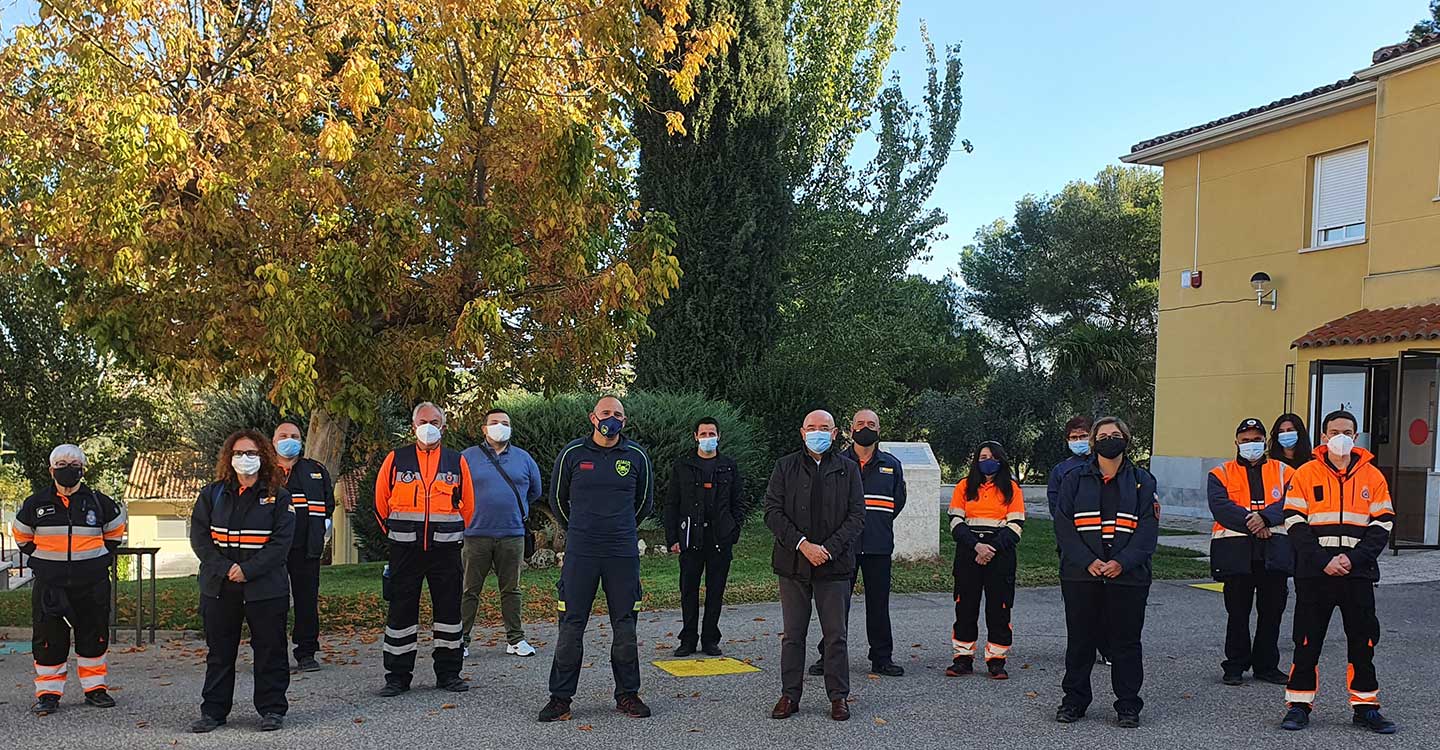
497	514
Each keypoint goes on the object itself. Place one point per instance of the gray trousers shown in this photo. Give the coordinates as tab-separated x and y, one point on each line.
503	555
830	598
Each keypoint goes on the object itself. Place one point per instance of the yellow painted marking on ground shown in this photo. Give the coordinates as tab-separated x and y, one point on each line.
1216	587
705	667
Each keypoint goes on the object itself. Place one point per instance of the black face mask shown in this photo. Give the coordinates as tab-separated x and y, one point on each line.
68	476
865	437
1110	447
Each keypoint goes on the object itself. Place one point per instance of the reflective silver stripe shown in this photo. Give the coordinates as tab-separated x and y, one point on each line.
1327	517
454	536
240	532
1227	534
1296	503
90	683
1127	515
118	522
878	509
445	517
1338	541
1279	530
1358	519
445	627
405	515
402	633
1386	525
1015	527
1015	516
68	531
1087	514
402	536
891	498
446	643
404	649
985	523
91	554
22	528
956	521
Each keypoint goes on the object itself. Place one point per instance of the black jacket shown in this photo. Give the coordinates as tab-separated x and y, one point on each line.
836	524
312	492
1231	543
69	545
253	528
1079	532
685	504
883	480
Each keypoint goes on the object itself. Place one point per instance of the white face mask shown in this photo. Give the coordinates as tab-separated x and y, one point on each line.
245	466
500	433
427	434
1252	451
1340	445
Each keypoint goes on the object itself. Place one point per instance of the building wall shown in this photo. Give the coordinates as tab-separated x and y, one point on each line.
175	557
1219	362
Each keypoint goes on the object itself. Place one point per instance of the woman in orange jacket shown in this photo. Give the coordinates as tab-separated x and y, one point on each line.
987	515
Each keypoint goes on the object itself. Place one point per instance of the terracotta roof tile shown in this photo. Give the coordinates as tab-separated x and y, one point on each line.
1404	48
166	475
1336	86
1417	323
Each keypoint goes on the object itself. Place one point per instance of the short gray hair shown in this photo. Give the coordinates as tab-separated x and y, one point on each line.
416	411
1118	422
67	452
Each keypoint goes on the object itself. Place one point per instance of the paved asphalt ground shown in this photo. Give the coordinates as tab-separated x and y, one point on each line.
1187	707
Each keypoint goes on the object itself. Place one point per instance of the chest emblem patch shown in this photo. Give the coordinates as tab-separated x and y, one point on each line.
622	467
1275	493
1365	493
89	518
886	470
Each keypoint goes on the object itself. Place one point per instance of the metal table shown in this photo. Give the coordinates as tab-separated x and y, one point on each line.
139	553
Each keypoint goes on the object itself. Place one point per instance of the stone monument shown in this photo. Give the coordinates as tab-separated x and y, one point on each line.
917	528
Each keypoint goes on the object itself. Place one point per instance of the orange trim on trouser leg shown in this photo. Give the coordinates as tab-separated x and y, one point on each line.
1359	698
92	671
50	679
995	651
963	648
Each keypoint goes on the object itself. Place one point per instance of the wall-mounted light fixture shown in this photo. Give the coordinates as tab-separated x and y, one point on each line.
1264	292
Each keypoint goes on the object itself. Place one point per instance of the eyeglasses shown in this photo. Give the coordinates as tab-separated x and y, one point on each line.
253	454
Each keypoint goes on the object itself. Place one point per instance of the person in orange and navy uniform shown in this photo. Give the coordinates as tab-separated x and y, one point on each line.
423	502
241	530
1107	524
313	495
70	534
1339	516
987	516
1250	553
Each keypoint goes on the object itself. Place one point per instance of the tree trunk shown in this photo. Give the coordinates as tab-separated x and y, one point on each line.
325	442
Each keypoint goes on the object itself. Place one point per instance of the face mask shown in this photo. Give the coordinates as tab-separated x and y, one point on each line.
818	441
1340	445
246	466
68	476
709	444
865	437
610	427
288	448
989	466
1288	439
500	433
1110	447
1252	451
1080	447
427	434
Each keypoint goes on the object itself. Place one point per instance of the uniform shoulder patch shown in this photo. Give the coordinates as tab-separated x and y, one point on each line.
887	470
316	475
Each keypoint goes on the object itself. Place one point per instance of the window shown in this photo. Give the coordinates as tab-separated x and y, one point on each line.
1340	184
172	527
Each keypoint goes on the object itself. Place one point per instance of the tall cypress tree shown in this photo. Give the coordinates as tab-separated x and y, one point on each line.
726	186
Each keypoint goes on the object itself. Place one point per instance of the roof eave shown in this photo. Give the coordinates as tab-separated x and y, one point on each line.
1331	102
1409	59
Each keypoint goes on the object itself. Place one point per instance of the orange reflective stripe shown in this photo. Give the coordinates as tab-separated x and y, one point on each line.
1092	521
879	504
96	671
239	538
86	543
115	533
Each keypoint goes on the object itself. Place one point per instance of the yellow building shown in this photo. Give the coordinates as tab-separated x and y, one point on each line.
1313	225
160	493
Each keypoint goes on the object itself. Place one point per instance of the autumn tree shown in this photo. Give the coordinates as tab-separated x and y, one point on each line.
347	197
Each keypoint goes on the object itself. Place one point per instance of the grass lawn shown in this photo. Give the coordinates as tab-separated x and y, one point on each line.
350	594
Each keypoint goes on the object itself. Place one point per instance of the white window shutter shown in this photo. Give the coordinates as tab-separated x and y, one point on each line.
1340	188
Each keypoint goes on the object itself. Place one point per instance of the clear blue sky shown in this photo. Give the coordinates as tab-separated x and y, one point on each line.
1057	89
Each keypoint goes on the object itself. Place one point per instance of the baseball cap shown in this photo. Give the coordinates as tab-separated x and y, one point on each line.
1251	424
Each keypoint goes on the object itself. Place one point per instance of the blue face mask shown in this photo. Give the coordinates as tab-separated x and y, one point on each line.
988	467
610	427
1080	447
709	444
288	448
1252	451
818	441
1287	439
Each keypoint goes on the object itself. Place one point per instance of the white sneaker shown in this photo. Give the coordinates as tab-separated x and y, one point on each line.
523	648
467	653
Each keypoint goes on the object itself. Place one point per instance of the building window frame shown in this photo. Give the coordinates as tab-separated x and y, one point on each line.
1324	237
160	533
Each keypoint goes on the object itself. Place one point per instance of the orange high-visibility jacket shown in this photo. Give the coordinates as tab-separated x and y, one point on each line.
987	518
424	497
1329	513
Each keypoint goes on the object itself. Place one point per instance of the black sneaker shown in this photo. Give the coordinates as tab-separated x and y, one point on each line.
711	650
1068	714
46	705
1295	719
888	669
1233	677
1127	719
453	684
1371	719
817	669
684	650
205	725
392	689
99	698
558	709
996	667
962	665
271	722
307	664
1273	676
631	705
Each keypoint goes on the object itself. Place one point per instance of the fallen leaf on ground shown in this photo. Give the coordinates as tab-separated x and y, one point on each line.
881	722
1031	694
585	727
448	706
359	720
758	619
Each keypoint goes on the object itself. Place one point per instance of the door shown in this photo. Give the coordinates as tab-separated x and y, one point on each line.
1337	384
1415	490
